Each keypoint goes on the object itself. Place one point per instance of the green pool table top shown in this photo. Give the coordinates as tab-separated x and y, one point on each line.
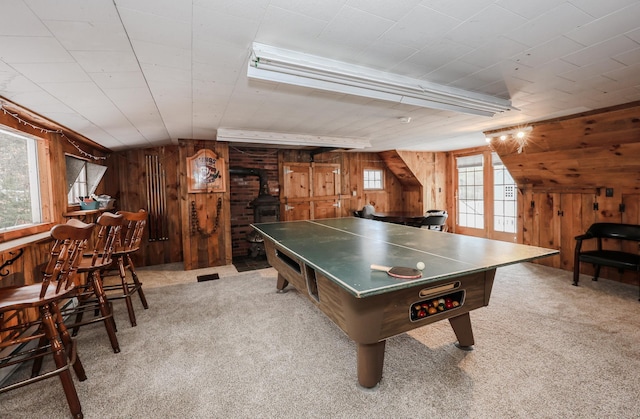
344	249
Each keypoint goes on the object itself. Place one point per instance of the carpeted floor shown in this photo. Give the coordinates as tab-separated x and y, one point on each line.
234	348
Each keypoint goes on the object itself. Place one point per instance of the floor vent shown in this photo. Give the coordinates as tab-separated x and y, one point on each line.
210	277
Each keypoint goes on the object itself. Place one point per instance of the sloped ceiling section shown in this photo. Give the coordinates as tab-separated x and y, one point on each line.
585	153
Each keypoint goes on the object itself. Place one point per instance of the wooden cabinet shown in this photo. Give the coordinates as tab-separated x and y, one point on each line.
310	191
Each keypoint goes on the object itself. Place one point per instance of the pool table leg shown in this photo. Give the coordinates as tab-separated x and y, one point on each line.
462	328
282	283
370	362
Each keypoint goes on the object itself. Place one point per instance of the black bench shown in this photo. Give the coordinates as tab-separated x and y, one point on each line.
601	257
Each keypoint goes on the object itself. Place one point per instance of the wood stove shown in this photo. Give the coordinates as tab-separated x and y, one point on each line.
266	208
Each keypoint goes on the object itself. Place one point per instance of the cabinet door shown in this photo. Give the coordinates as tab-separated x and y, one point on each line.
326	209
294	211
310	191
326	179
297	181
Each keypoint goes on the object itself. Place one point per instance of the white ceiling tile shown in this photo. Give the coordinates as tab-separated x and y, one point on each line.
90	36
381	7
629	57
79	95
458	9
157	29
306	29
491	22
106	61
386	56
317	9
609	26
449	73
434	56
608	48
18	49
75	10
549	25
588	71
543	53
489	76
118	80
13	84
174	9
41	100
53	72
17	19
340	30
496	50
530	9
151	53
627	74
634	34
169	75
420	28
599	8
210	25
246	9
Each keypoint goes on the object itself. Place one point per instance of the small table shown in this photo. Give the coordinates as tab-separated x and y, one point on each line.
329	261
83	215
399	217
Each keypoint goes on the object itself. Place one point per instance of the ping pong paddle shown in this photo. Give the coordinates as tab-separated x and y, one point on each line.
398	271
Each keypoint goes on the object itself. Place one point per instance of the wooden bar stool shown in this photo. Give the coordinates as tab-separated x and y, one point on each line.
91	296
128	242
46	327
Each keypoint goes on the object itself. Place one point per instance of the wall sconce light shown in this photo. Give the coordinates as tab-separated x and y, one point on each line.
518	134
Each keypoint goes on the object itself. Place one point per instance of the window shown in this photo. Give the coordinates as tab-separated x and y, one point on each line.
470	191
505	198
83	178
373	179
19	180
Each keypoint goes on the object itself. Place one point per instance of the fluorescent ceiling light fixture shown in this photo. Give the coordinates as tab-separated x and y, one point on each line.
293	140
291	67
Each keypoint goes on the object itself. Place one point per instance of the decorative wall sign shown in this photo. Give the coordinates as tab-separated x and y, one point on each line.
205	171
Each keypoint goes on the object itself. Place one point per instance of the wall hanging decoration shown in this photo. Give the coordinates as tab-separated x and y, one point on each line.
205	172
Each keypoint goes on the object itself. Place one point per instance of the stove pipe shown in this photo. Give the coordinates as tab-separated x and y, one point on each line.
247	171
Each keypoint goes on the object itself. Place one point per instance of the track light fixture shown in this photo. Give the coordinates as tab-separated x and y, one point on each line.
518	134
285	66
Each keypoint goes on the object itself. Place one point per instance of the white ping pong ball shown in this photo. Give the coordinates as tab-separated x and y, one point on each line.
420	265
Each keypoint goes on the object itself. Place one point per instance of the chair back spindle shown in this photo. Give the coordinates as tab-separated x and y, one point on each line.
70	241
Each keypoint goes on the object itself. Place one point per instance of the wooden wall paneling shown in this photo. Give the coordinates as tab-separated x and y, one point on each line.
631	215
205	217
579	152
550	226
439	184
571	226
129	169
594	128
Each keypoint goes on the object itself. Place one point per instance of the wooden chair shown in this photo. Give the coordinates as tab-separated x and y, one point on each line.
128	242
92	296
48	328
